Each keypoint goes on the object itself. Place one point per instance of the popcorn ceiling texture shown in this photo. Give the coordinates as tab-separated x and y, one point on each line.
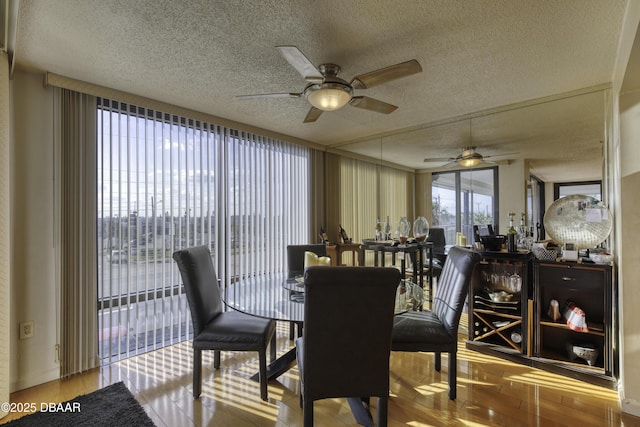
475	56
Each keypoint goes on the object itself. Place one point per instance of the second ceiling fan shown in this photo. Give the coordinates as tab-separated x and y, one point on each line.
328	92
468	158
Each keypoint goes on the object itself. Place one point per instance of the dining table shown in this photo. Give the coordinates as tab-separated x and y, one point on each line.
414	250
278	297
272	296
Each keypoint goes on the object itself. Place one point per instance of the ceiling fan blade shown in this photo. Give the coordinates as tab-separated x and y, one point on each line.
296	58
372	104
439	159
500	155
270	95
384	75
312	115
451	164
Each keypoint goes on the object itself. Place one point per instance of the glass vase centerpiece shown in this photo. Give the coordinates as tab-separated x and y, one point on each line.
420	229
403	230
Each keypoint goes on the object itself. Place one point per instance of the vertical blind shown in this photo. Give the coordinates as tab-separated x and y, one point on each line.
368	192
76	204
167	182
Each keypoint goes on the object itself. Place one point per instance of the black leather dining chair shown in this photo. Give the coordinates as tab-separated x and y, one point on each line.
345	347
216	329
437	238
437	330
295	267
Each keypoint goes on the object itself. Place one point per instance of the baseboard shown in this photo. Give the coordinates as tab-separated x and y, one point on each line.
36	379
631	407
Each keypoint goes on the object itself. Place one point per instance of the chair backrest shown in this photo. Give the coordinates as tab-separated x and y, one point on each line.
482	230
453	286
436	236
348	319
295	257
200	285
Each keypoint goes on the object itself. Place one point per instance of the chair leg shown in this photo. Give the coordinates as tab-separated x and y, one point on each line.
292	331
307	413
272	348
453	366
438	360
383	404
197	372
216	359
263	373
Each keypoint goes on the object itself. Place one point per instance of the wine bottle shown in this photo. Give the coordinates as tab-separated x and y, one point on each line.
387	229
343	235
323	236
511	235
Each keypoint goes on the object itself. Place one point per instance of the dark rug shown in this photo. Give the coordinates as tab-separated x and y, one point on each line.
110	406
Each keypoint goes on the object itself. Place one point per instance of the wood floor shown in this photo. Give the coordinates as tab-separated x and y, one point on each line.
491	392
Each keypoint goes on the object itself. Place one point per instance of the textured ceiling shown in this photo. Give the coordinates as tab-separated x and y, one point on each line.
477	56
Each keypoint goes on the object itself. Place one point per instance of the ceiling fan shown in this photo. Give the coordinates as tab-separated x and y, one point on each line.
468	158
328	92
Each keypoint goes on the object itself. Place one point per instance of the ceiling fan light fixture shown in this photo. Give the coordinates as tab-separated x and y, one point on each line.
329	96
469	162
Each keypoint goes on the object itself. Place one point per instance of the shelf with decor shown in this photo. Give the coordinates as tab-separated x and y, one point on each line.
580	342
585	352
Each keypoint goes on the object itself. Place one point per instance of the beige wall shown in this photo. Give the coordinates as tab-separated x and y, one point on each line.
511	185
33	294
629	250
5	231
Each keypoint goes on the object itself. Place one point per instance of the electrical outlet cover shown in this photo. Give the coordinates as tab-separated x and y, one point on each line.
26	329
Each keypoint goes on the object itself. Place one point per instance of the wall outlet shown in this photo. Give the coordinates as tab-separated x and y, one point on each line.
57	353
26	329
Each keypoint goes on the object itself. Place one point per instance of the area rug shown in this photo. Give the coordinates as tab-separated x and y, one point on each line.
113	405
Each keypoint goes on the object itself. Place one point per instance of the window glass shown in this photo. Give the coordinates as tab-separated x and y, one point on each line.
593	189
462	199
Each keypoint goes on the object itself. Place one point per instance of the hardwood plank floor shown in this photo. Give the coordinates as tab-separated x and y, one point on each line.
491	392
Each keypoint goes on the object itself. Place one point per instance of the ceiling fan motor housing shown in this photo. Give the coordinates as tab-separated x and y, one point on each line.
333	93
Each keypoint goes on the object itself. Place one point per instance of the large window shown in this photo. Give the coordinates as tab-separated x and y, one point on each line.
462	199
167	182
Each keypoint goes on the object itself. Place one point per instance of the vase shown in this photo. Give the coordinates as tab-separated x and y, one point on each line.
403	229
420	229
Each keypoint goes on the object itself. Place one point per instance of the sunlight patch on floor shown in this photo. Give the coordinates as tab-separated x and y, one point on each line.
433	388
470	423
564	384
246	401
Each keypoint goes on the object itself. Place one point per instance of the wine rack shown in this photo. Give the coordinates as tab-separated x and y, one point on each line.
499	301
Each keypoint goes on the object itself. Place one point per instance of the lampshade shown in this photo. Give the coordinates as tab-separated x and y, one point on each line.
328	96
469	162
